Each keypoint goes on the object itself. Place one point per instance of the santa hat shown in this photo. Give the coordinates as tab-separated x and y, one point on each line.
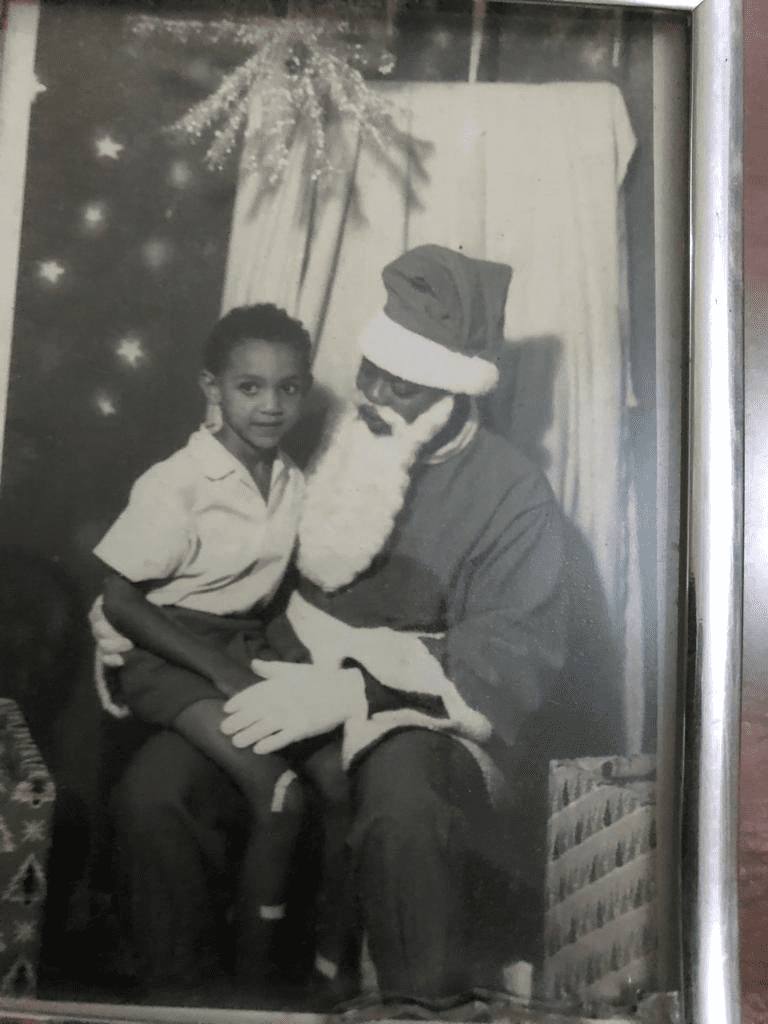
443	320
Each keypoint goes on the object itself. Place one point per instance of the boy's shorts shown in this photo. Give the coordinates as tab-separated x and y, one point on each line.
157	691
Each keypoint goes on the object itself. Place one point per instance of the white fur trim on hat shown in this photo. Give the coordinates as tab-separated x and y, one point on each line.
413	357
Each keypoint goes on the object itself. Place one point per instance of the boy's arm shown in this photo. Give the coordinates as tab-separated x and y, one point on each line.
129	611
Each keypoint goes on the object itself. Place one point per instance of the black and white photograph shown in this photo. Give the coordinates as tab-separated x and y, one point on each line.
345	348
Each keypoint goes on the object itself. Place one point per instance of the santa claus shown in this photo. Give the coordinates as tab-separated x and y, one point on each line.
433	599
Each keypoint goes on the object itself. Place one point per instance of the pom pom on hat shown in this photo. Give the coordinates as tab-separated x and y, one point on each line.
443	320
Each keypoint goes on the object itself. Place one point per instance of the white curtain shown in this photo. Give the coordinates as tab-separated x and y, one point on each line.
529	175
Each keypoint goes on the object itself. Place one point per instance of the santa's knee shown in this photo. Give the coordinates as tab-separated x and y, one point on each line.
421	825
394	798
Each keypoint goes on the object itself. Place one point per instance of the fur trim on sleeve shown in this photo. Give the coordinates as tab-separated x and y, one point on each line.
399	661
402	662
104	690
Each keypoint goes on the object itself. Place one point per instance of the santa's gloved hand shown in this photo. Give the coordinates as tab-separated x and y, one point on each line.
111	644
293	703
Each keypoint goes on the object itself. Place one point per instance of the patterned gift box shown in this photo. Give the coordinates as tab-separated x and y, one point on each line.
26	810
600	930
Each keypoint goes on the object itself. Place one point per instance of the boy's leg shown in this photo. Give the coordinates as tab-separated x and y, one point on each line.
275	797
338	927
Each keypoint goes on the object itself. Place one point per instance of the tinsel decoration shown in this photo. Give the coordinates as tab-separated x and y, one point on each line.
305	71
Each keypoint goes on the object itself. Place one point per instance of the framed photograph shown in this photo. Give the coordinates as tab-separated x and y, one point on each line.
371	510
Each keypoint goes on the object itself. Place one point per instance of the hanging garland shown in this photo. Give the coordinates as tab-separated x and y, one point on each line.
304	70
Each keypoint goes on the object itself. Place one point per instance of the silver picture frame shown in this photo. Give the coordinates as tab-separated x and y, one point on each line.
698	89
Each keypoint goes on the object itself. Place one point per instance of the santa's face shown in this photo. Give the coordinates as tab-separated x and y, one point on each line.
357	488
384	391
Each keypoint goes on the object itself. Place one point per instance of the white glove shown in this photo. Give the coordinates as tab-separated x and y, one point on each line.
292	703
111	644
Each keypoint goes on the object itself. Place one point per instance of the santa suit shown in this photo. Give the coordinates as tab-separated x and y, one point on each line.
461	626
472	576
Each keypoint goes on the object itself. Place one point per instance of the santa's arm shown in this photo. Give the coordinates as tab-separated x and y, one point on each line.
505	642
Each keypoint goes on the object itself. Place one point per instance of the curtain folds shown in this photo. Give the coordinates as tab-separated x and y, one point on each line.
529	175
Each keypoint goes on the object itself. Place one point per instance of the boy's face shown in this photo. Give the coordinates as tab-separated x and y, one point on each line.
259	392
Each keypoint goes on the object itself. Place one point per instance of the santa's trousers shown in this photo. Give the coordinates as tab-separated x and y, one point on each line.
434	863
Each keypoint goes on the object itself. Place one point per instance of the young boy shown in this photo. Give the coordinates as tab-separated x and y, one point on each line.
198	552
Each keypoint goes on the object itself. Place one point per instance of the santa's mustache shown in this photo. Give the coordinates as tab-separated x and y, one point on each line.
383	420
376	422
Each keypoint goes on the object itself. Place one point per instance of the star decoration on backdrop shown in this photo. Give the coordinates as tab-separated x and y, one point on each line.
94	215
131	351
156	252
108	147
104	404
50	271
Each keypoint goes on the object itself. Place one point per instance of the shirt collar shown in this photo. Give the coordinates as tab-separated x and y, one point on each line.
217	463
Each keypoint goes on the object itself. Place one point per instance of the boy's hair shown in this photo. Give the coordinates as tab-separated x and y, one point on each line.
262	322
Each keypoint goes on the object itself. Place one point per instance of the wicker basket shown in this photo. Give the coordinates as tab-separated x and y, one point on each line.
600	930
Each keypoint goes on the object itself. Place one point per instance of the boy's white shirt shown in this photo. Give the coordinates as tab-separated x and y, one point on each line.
198	523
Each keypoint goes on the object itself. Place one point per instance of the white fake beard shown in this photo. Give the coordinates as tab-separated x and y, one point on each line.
356	490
